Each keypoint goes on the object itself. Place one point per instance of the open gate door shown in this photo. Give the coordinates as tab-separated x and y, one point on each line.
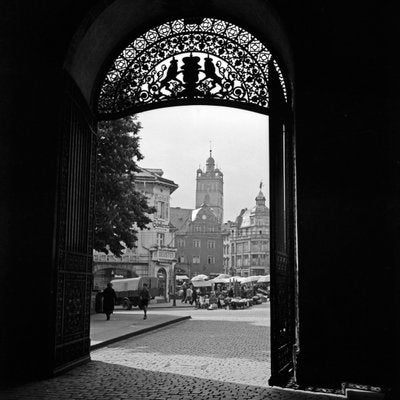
74	239
282	223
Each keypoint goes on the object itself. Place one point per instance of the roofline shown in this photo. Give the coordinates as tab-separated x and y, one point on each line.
156	179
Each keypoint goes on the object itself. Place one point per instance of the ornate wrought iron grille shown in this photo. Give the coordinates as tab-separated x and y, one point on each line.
182	61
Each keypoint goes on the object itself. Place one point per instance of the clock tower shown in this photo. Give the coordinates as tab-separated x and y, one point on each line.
210	188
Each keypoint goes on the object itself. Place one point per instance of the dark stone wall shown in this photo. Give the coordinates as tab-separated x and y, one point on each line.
347	125
34	39
347	166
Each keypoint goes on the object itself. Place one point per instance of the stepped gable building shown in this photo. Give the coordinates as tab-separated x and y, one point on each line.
154	251
249	240
198	242
199	235
210	188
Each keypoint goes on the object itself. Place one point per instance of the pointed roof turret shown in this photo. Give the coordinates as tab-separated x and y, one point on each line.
260	199
210	163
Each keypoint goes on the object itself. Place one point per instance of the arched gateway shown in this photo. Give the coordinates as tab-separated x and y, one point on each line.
180	61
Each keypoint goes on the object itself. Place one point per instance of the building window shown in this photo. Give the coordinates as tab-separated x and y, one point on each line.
211	244
181	242
160	239
196	243
211	259
197	228
162	210
255	259
196	260
181	259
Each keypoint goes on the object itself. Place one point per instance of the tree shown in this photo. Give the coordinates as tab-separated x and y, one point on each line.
119	208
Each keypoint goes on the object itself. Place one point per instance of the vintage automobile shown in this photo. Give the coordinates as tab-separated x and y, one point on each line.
127	290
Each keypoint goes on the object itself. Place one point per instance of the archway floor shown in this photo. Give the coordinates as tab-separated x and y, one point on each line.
218	354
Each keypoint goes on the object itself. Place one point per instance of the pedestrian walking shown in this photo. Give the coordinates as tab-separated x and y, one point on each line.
189	293
184	288
194	297
144	298
109	299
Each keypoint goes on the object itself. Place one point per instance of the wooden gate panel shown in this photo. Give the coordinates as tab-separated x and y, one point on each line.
73	249
283	278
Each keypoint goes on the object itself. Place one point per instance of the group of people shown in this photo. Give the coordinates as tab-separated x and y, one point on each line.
110	299
189	294
221	297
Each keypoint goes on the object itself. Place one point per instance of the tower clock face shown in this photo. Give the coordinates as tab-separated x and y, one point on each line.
204	217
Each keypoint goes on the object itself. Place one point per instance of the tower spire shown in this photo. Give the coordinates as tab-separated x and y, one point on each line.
210	149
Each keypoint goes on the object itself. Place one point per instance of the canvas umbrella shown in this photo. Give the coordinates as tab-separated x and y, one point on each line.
236	279
264	278
181	277
200	277
221	278
252	279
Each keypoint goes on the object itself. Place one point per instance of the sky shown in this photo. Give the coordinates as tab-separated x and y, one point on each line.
177	140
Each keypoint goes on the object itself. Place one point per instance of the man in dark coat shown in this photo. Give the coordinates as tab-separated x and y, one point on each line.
144	297
109	299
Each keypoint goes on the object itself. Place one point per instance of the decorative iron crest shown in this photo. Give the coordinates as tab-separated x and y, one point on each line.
183	60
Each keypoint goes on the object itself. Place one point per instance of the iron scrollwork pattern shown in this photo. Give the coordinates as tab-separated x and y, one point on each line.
182	60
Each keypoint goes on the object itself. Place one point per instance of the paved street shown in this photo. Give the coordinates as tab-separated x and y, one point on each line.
224	345
218	354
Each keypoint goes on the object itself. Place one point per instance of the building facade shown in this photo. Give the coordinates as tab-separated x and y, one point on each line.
210	188
246	247
154	251
228	231
199	242
199	231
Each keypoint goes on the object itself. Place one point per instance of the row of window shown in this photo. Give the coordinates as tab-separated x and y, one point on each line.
256	259
209	187
204	228
197	259
255	246
197	243
250	231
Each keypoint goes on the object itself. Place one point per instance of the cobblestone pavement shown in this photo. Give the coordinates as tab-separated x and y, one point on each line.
224	345
218	354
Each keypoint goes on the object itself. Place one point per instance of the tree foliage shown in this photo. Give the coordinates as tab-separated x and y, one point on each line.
119	208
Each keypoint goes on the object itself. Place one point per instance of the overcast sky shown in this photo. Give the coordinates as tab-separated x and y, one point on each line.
177	140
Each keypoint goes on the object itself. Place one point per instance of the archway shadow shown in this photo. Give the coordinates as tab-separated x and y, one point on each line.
97	380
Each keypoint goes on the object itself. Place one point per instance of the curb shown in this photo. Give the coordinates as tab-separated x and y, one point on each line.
169	307
131	334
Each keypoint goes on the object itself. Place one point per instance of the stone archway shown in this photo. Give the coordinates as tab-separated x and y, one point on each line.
162	282
107	87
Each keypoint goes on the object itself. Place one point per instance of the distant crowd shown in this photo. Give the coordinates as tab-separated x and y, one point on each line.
222	297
